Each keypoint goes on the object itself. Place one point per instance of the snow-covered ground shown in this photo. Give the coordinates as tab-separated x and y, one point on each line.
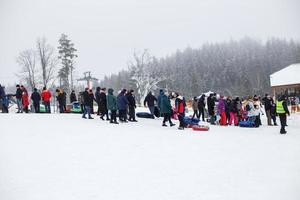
64	157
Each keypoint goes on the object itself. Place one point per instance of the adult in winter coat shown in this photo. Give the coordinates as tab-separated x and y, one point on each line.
4	100
73	97
252	112
233	112
60	97
131	106
150	102
122	103
228	101
211	107
180	109
25	99
268	101
46	97
19	93
282	110
165	108
97	97
103	104
88	102
92	97
221	110
36	98
201	106
161	93
195	107
111	100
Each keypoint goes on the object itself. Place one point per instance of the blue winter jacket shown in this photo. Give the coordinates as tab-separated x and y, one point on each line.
122	101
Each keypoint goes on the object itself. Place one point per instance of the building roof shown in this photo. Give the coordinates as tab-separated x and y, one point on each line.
287	76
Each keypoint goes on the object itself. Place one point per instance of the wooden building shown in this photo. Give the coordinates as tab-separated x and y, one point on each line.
286	81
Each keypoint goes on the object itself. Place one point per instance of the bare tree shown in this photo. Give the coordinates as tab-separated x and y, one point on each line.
47	60
143	73
27	60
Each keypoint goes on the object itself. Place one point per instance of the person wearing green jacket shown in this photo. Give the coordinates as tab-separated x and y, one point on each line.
165	108
282	110
112	105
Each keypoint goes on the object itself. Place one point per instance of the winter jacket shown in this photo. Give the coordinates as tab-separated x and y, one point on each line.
211	105
179	104
281	102
73	97
150	100
36	97
25	99
102	101
87	98
221	106
2	92
46	96
111	100
165	105
201	102
268	103
131	100
195	104
254	110
122	101
19	93
161	93
97	96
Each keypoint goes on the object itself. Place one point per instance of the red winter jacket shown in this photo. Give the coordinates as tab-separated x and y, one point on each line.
46	95
25	99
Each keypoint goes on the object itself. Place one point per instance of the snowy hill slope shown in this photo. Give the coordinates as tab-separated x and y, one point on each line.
47	157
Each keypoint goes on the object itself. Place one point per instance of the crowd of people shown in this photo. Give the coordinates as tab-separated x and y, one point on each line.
213	108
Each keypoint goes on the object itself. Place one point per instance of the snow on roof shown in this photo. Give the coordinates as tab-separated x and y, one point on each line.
287	76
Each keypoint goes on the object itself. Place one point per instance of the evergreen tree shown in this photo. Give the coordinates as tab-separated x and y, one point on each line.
67	54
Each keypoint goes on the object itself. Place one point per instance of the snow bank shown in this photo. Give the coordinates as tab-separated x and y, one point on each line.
63	157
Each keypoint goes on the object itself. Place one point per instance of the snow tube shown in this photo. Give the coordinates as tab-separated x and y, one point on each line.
76	108
144	115
191	121
200	128
247	124
156	111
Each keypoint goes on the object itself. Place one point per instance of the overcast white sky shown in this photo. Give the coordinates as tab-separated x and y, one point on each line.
106	32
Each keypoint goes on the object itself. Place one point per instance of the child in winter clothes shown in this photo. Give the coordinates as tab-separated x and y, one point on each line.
179	103
25	99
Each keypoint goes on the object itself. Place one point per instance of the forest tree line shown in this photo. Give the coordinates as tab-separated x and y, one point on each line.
231	68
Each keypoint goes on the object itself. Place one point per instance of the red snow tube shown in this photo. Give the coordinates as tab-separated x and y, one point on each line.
200	128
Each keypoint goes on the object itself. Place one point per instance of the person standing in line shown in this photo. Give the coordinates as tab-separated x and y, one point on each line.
111	100
150	102
103	104
195	107
73	97
46	97
25	99
122	103
36	98
131	106
165	108
4	99
18	95
221	110
282	110
211	108
88	102
201	106
97	97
